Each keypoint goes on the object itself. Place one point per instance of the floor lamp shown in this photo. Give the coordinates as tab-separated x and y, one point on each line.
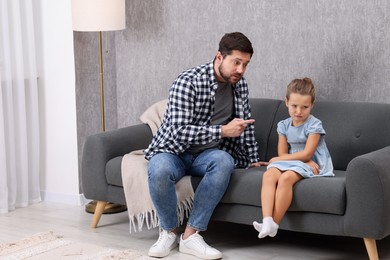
99	16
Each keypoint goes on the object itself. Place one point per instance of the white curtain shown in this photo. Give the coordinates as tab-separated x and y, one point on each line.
19	118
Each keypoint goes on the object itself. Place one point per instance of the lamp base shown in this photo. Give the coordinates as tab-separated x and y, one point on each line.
110	208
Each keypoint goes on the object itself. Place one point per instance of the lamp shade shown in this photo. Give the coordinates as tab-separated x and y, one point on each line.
98	15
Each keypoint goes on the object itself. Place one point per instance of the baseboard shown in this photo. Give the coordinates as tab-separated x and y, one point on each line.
71	199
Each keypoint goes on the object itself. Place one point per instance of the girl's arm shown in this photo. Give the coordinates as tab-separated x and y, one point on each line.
304	155
282	145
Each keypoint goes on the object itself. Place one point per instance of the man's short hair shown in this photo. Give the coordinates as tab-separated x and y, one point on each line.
235	41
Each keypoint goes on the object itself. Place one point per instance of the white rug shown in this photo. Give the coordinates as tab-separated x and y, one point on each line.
48	245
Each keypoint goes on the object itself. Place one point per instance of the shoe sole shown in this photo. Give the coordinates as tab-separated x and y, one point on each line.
162	254
185	250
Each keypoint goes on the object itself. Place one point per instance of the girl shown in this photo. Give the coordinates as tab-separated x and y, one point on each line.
302	153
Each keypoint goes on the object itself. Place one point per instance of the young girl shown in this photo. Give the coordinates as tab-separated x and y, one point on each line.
302	153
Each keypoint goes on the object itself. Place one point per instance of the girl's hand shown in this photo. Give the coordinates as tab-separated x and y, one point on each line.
314	167
275	159
258	164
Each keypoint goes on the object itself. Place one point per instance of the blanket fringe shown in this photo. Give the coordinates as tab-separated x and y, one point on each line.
150	218
183	209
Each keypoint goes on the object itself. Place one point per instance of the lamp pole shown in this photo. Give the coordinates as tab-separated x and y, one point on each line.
98	16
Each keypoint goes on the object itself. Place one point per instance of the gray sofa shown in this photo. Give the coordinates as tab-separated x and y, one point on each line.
354	203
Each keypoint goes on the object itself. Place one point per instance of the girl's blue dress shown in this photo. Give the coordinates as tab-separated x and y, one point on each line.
296	138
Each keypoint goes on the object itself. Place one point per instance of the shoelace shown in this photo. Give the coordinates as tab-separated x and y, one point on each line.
164	234
201	241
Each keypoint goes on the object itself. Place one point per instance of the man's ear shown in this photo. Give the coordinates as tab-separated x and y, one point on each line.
219	57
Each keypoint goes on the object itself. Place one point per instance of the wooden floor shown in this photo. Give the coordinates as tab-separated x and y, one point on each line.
234	241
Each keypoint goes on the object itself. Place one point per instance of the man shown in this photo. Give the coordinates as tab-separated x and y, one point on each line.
206	132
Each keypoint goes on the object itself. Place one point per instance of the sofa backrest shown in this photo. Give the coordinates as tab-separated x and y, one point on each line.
264	112
352	128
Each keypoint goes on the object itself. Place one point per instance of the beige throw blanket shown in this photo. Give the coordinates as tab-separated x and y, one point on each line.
135	180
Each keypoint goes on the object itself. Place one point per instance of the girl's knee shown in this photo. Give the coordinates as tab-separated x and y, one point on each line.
272	174
289	178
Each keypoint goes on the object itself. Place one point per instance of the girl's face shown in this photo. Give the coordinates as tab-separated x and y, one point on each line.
299	107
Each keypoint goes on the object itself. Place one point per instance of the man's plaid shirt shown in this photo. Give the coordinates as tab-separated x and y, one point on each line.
190	109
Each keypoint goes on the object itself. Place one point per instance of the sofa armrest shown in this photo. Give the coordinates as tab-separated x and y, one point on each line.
368	195
102	147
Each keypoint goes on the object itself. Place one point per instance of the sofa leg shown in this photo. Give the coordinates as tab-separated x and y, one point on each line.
100	205
371	248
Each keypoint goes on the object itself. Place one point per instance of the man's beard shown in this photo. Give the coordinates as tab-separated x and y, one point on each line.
229	78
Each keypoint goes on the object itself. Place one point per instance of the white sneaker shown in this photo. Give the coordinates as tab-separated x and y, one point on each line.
195	245
165	243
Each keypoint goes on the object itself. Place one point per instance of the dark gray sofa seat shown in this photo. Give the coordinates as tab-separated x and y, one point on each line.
355	203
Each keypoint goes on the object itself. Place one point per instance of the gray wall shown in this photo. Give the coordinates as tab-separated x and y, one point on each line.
344	46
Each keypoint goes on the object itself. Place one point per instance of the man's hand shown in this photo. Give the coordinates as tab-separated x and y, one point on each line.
235	127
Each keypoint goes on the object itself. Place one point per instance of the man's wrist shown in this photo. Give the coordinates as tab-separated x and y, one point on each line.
223	131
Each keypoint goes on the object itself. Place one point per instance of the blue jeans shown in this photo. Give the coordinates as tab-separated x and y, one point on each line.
165	170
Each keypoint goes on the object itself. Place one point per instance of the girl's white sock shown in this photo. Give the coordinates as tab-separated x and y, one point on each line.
257	226
269	228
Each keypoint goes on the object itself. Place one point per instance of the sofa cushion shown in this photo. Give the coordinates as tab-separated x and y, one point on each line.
113	171
360	128
322	195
